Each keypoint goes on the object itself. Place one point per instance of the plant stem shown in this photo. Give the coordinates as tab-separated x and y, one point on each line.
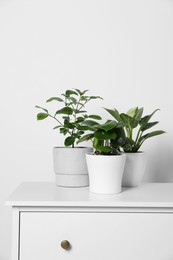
137	137
55	119
128	132
131	133
137	145
84	104
59	122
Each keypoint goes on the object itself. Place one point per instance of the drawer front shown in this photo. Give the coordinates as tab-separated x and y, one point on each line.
92	236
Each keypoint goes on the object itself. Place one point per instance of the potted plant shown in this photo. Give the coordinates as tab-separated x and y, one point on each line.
69	161
106	164
136	159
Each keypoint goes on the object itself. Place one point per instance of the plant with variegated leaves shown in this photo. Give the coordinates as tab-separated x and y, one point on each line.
134	119
74	121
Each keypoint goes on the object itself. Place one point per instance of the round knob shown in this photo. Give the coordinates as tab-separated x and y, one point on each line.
65	244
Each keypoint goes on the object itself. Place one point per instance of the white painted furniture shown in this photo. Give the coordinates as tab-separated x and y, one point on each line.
136	224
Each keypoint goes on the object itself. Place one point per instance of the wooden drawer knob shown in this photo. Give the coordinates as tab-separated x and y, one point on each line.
65	244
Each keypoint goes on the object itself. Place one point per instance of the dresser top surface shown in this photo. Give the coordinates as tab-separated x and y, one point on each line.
46	194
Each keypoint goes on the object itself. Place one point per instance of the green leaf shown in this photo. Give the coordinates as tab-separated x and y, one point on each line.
78	91
42	116
95	117
121	124
108	125
97	142
132	111
95	97
79	119
85	138
79	111
42	108
84	98
134	123
78	134
70	92
139	114
144	120
149	125
103	135
152	134
130	122
58	126
69	141
67	124
114	113
81	92
56	99
103	149
84	128
65	110
126	119
89	123
63	130
74	101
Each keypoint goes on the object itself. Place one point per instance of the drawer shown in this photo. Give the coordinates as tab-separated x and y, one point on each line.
96	236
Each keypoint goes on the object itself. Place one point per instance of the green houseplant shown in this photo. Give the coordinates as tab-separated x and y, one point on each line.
106	164
133	119
69	161
136	160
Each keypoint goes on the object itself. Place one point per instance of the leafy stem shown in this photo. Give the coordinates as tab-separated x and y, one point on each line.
73	101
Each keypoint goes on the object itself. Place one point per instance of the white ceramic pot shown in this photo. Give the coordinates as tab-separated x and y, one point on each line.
70	166
134	169
105	173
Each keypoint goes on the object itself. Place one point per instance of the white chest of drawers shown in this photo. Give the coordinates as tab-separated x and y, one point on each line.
136	224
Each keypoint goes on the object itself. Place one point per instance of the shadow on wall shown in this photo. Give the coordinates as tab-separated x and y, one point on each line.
160	164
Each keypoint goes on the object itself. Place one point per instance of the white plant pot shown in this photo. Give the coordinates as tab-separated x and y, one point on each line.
134	169
70	166
105	173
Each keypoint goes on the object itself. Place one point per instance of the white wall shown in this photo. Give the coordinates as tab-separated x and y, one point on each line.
121	50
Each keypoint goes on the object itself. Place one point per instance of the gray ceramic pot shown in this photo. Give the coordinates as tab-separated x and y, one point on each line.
70	166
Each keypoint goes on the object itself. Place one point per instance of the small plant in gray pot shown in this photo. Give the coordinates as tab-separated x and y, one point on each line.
106	164
69	161
135	159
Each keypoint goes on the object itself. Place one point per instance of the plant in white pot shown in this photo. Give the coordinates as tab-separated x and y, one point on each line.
106	164
69	161
136	159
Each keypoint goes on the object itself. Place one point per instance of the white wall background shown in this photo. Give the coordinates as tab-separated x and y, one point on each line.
121	50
